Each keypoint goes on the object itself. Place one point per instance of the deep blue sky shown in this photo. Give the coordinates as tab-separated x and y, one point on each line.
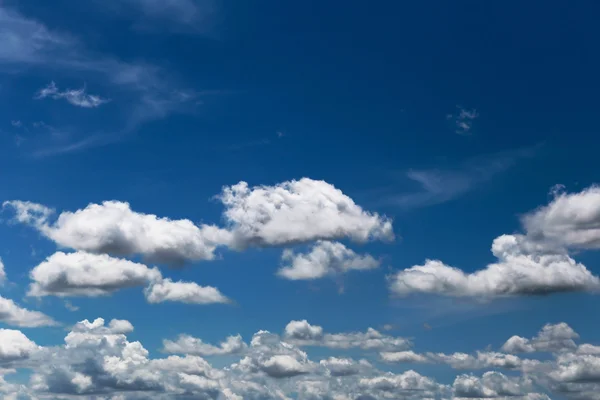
358	94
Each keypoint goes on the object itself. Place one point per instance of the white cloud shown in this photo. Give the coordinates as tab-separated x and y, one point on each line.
325	258
184	292
491	385
2	273
186	344
577	368
297	212
344	366
302	333
552	338
113	227
12	314
86	274
571	220
97	327
407	356
267	354
409	383
99	358
517	272
14	345
76	97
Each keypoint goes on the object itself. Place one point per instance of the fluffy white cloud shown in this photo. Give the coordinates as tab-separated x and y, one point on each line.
571	220
517	272
551	338
577	368
491	385
324	258
302	333
344	366
184	292
114	228
12	314
87	274
268	355
298	211
407	356
186	344
98	358
97	327
76	97
2	273
409	383
481	360
14	345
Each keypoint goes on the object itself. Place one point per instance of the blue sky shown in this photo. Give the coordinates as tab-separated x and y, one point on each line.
194	170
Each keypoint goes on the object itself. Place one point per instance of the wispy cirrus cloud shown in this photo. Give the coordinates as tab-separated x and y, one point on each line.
184	16
76	97
148	91
439	185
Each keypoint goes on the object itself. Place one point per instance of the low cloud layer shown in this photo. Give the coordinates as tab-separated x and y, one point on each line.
98	357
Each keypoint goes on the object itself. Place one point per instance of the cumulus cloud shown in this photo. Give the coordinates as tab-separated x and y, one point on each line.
551	338
491	385
87	274
184	292
324	258
12	314
14	345
2	273
186	344
302	333
571	220
343	366
517	272
98	358
409	383
114	228
407	356
268	355
76	97
298	211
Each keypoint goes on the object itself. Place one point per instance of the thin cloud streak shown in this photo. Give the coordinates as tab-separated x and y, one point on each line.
443	185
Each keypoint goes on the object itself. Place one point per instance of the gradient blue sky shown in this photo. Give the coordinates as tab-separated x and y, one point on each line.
452	119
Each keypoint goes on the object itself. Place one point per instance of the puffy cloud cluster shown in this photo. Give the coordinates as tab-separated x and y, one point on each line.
552	338
298	211
519	271
288	213
571	220
302	333
87	274
114	228
492	385
291	212
91	275
324	258
14	345
186	344
184	292
97	359
531	264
